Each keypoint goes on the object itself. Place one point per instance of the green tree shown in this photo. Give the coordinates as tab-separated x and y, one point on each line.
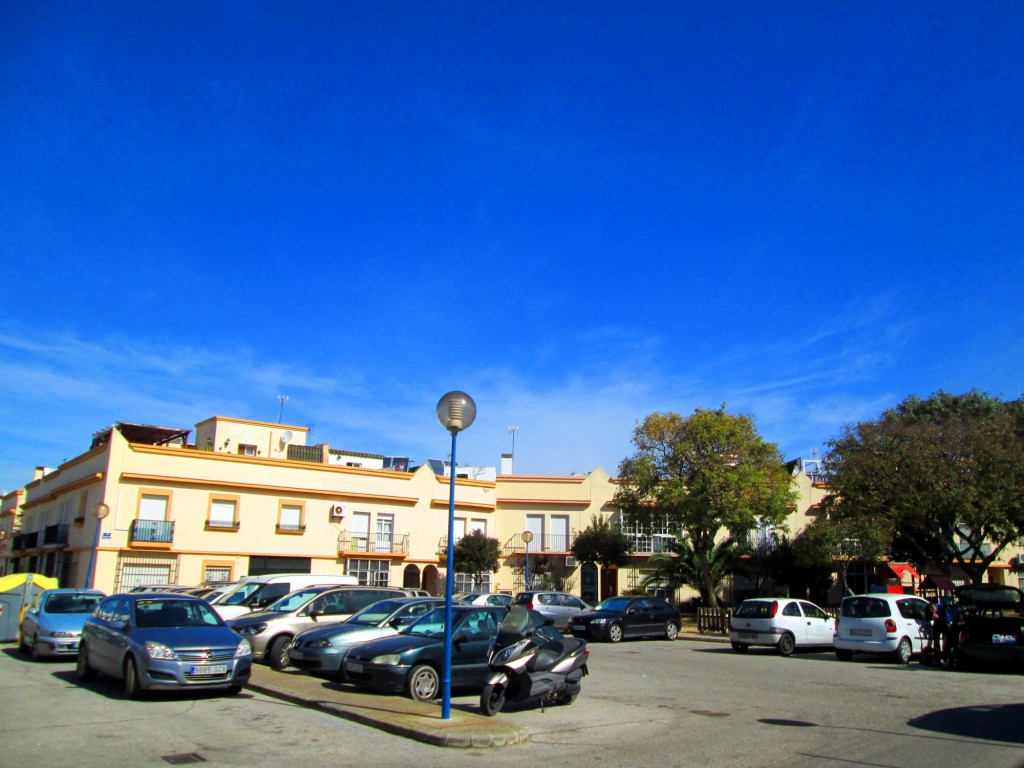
835	542
944	474
476	554
680	566
709	476
601	544
604	545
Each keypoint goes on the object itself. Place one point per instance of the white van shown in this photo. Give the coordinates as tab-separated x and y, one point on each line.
255	592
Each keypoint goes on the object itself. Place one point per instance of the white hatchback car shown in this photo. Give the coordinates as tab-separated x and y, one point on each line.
882	623
781	622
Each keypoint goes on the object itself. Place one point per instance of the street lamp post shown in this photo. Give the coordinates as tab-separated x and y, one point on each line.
456	411
527	538
100	511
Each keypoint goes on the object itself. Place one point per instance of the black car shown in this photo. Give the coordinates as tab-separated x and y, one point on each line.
412	661
621	617
988	627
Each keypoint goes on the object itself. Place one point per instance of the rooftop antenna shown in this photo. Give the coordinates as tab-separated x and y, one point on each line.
281	400
513	430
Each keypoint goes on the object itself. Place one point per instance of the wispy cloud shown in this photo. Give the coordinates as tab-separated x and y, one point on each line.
58	389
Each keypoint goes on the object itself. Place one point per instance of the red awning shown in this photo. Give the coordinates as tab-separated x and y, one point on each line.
902	569
943	583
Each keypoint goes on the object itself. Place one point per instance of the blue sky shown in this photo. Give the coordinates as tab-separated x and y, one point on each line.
579	213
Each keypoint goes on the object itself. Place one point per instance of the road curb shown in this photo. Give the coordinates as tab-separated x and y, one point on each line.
464	730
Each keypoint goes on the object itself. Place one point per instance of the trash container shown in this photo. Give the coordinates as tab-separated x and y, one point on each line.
17	592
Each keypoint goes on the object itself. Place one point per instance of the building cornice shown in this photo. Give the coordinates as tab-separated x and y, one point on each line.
286	490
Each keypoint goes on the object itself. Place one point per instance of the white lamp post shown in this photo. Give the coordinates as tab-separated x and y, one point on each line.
456	411
527	538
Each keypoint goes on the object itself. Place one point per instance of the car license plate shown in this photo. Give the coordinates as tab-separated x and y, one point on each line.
578	628
860	632
208	669
351	666
1004	639
747	635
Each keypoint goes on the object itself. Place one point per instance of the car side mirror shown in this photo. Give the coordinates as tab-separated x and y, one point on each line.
314	615
123	626
461	637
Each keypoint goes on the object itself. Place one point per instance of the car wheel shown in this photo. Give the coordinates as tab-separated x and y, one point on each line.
904	651
277	656
492	699
615	633
843	655
131	688
233	690
786	644
22	645
34	652
740	647
423	683
671	630
83	672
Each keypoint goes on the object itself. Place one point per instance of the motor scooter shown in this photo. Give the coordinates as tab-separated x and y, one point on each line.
531	661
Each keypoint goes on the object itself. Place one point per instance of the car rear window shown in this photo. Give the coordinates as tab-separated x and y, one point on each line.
865	608
755	609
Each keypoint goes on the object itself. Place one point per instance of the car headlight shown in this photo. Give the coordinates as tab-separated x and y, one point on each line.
160	651
243	650
599	621
64	634
388	660
252	629
322	643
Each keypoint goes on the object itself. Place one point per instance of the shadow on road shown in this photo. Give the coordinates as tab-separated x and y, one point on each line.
996	722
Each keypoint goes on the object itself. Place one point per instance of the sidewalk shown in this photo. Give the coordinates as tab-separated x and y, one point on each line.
401	715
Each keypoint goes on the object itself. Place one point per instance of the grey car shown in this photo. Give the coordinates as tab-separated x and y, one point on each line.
52	626
321	650
560	607
154	641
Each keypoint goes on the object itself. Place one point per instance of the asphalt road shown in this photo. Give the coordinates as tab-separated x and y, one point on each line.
687	703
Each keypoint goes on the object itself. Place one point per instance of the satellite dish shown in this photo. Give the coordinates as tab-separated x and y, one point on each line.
286	436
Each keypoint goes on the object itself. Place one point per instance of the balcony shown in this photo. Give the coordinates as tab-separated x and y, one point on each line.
55	535
25	541
551	543
152	532
373	544
650	544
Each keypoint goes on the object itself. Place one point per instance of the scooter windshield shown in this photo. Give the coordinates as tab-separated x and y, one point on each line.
514	626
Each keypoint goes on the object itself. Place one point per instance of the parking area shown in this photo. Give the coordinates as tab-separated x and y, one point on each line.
688	702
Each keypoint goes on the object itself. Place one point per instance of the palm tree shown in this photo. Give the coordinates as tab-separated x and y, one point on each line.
679	567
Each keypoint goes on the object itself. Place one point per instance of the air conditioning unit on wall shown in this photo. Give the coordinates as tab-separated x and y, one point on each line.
570	561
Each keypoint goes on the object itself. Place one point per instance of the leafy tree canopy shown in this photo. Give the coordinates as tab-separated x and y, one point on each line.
704	474
601	544
943	475
477	554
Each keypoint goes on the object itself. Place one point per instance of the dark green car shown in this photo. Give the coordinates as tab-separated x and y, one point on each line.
412	661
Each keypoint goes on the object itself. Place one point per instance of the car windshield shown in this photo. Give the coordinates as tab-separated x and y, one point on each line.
294	600
374	614
612	604
756	609
429	624
174	613
865	608
240	594
71	603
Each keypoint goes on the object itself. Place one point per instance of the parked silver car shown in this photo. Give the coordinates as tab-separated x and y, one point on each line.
157	641
52	626
270	631
560	607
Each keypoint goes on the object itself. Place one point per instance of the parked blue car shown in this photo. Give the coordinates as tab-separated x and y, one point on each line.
52	626
155	641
